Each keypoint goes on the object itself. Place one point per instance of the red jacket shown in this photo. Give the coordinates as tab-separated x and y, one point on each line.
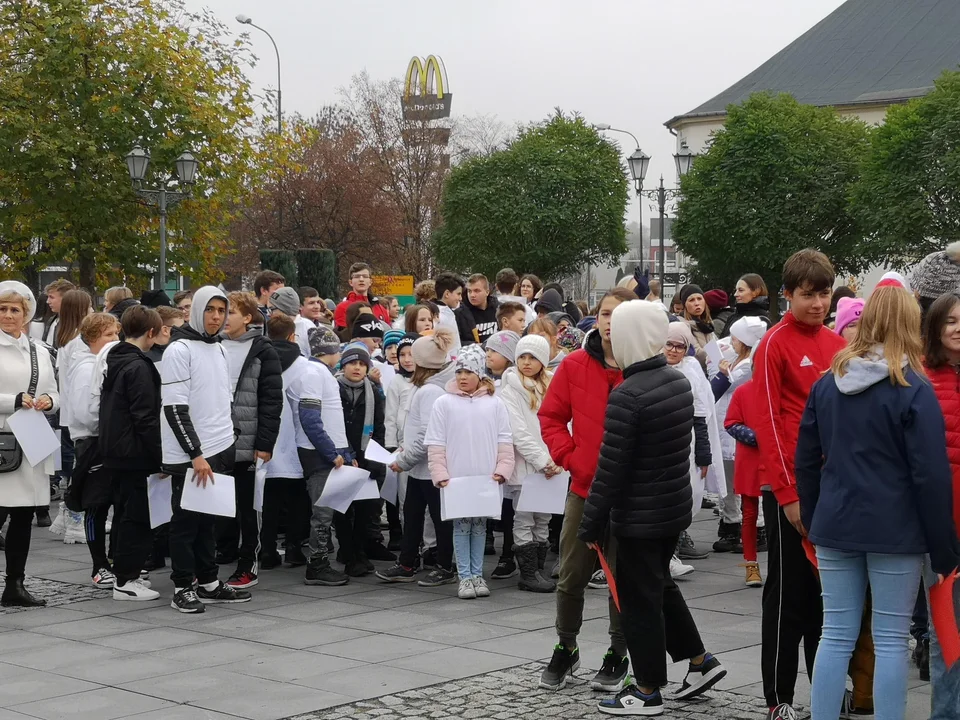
791	357
578	392
747	468
946	383
379	311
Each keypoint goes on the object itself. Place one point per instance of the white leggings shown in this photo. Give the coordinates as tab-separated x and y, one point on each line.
530	527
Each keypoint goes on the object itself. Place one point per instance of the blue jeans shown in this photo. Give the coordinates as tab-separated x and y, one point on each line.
844	576
469	537
944	685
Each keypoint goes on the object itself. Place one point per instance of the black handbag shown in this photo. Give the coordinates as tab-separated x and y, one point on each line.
11	454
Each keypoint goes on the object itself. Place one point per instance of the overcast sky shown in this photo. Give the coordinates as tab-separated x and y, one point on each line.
630	63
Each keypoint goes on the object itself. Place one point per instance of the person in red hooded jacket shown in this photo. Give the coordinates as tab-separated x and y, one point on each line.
578	394
361	280
792	356
942	363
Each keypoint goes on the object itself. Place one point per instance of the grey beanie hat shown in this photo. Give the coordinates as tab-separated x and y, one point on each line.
503	342
286	300
938	273
323	341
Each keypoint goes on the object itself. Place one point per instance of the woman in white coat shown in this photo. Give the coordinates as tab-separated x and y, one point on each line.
27	382
522	389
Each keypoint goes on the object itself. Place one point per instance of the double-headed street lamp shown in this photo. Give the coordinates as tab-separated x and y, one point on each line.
138	160
638	162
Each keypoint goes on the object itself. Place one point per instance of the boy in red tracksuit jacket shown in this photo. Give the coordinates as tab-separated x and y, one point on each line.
578	394
788	361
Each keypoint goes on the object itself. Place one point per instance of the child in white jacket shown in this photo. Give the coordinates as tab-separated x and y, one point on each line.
395	415
522	391
469	435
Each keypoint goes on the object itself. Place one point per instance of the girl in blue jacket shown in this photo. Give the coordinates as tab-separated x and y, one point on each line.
875	494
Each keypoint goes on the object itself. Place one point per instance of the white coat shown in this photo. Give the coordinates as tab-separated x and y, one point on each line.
705	407
27	486
395	415
739	375
530	452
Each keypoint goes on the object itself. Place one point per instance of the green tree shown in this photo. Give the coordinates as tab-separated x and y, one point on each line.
908	197
81	83
283	262
318	269
549	203
775	180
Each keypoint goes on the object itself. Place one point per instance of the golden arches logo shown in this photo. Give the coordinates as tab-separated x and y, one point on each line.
425	77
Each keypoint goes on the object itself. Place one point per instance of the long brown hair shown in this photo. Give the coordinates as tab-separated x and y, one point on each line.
410	315
74	307
756	284
890	318
934	354
422	374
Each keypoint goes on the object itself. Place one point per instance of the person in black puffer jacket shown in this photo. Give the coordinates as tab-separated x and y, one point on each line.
257	386
129	443
642	488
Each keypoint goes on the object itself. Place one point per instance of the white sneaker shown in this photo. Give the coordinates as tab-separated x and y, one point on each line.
678	569
57	526
135	590
104	578
467	591
481	588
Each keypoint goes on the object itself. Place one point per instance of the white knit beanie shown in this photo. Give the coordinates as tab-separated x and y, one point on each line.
749	330
535	345
433	351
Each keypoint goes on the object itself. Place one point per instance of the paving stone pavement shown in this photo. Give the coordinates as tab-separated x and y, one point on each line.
513	695
329	652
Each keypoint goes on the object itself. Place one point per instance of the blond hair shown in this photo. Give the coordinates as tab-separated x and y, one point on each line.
12	296
95	325
536	386
117	294
891	318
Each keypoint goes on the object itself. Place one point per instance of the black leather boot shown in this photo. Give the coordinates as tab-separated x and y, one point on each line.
16	595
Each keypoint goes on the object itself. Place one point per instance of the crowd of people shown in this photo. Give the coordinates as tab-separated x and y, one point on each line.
830	440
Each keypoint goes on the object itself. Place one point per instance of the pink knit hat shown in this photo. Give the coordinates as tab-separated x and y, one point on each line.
848	311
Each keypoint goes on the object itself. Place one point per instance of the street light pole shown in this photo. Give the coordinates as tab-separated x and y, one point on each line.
662	205
247	20
138	160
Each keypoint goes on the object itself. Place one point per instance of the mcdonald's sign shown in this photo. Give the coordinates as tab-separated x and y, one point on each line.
426	93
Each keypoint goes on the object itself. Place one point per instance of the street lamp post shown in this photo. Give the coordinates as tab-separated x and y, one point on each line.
247	20
138	160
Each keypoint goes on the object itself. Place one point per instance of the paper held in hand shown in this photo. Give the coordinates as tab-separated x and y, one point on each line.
33	432
714	357
375	452
391	487
259	483
160	499
342	487
471	496
540	494
217	498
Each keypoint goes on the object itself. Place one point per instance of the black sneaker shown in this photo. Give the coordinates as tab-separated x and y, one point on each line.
376	551
612	674
505	569
269	561
322	573
707	504
186	601
396	542
438	577
923	663
686	550
849	710
398	574
701	678
630	701
564	663
294	557
222	594
356	568
782	711
728	538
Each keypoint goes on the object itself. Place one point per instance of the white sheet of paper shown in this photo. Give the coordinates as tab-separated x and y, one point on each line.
471	496
377	453
342	486
217	498
391	487
714	356
33	432
369	490
160	499
540	494
259	483
58	454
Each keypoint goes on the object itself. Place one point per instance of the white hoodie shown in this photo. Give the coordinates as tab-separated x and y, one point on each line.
84	416
194	376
